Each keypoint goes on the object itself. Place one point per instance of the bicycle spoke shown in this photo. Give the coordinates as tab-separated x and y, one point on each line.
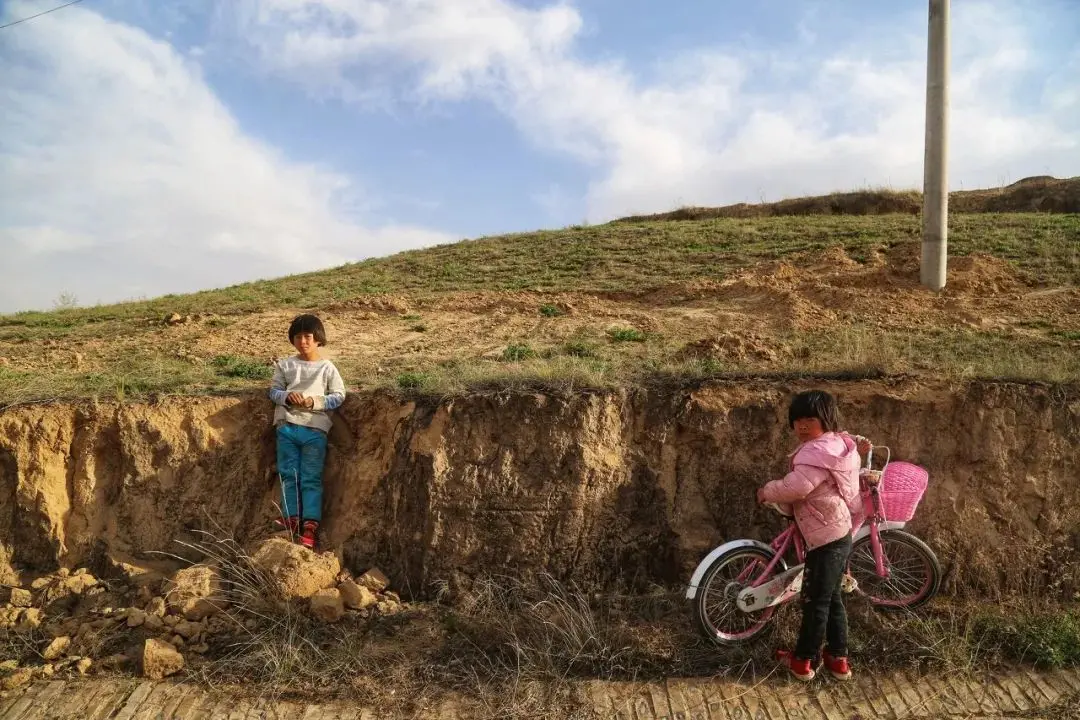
718	605
909	573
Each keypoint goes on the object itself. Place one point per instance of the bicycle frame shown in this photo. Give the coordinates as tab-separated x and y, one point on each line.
791	539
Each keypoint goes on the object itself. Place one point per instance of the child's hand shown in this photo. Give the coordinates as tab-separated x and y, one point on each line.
761	495
309	402
864	445
295	398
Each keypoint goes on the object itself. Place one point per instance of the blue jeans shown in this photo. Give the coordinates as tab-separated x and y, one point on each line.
300	455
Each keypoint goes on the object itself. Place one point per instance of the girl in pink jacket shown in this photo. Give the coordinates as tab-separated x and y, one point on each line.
823	491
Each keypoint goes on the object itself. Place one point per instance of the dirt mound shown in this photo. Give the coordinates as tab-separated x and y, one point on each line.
1034	194
734	348
983	275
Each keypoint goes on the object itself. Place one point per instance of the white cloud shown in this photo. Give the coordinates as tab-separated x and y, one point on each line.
121	174
717	126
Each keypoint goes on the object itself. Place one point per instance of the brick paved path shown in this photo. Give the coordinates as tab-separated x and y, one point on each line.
898	696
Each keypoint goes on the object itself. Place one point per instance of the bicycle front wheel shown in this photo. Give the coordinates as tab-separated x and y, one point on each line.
913	573
716	605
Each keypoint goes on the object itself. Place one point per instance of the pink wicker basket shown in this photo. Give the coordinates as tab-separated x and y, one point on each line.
902	488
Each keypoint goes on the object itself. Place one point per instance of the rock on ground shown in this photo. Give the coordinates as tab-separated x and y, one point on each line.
195	592
16	679
374	580
80	582
160	660
187	629
56	648
30	619
356	596
296	571
21	598
156	606
326	605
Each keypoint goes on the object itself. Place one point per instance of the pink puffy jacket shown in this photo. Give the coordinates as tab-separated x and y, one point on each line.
822	487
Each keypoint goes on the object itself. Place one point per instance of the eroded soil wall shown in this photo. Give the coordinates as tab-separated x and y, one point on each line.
614	490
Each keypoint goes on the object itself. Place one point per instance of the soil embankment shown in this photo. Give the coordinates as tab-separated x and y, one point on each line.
613	490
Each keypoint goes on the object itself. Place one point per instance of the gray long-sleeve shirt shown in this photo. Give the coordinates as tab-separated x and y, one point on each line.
317	379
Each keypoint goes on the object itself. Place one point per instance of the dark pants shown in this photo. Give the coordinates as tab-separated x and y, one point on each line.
823	615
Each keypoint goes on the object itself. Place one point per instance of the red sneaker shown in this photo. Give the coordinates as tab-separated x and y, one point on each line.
838	667
292	524
307	537
800	669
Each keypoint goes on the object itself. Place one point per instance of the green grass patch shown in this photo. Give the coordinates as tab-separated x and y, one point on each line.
517	352
232	366
551	311
626	335
580	349
1045	639
411	380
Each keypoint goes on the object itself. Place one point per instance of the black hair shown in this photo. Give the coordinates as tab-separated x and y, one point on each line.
308	324
815	404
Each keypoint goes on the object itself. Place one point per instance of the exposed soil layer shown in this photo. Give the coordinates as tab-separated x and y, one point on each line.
612	490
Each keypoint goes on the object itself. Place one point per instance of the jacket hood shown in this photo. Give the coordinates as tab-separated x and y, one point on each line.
832	451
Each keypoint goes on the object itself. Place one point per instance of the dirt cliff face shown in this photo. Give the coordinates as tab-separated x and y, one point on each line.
610	489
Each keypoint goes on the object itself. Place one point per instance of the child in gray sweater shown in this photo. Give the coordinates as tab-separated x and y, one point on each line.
305	390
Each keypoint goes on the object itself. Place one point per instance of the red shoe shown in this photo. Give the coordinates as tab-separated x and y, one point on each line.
292	524
800	669
838	667
307	537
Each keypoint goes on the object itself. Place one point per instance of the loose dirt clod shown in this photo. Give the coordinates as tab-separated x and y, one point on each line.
57	648
298	572
327	606
356	597
195	592
160	659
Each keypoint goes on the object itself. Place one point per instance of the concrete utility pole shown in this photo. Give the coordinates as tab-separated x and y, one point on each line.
935	247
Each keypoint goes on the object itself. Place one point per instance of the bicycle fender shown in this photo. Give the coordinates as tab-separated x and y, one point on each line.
887	525
699	571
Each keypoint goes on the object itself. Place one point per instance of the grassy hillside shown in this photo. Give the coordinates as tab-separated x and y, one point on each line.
603	304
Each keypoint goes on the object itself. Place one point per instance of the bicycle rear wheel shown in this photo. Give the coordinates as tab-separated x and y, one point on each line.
716	608
914	574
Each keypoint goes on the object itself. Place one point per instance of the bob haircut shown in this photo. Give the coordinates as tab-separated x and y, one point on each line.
815	404
308	324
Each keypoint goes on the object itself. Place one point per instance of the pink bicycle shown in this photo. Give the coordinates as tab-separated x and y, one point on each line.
735	590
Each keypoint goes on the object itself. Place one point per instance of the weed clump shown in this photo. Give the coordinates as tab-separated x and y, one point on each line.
240	367
626	335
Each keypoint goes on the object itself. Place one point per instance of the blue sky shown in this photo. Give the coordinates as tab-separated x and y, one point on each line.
151	147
